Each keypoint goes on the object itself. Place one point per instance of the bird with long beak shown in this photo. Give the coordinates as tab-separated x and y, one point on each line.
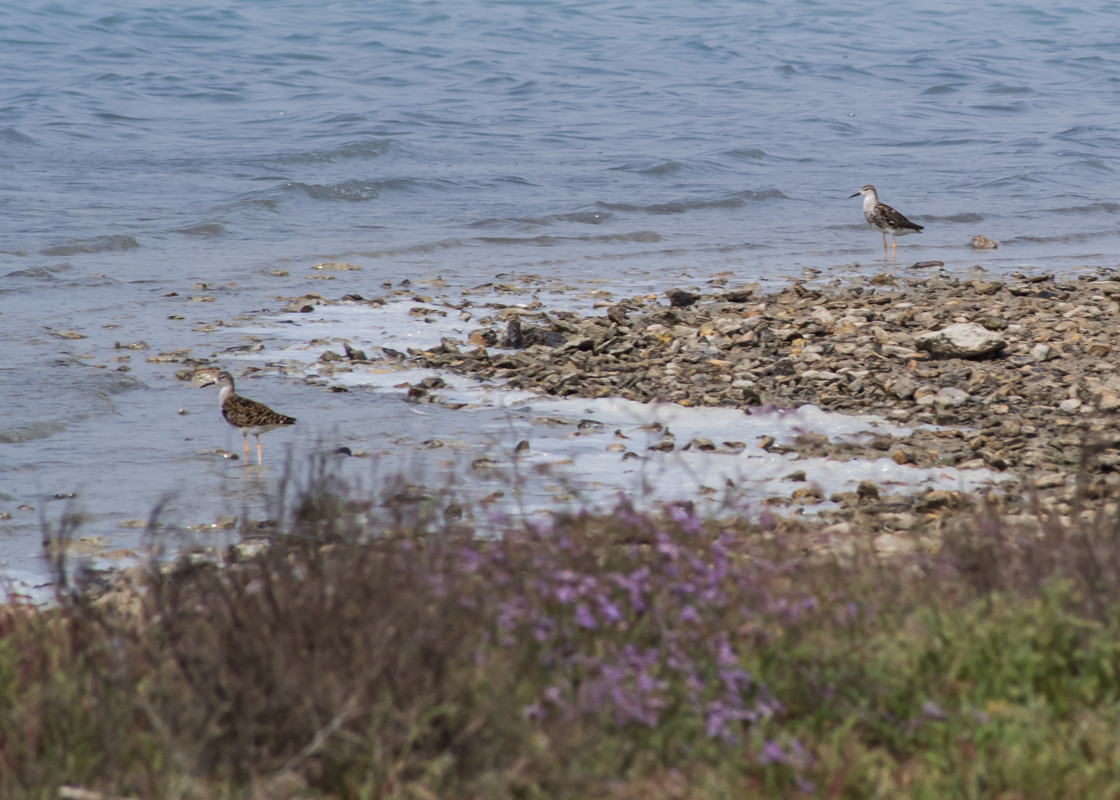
248	416
885	218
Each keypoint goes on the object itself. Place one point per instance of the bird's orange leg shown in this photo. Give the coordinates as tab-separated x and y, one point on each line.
884	246
258	449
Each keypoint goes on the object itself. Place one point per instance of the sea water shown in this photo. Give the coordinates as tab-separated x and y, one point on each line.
169	171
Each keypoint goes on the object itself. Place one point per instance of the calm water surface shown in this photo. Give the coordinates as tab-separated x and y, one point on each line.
153	155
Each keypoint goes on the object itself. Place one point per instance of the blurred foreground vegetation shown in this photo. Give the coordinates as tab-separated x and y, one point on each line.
621	655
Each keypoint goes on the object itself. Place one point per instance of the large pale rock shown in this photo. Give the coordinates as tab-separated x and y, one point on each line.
961	340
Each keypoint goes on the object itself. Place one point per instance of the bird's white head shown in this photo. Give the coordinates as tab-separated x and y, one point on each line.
866	191
209	377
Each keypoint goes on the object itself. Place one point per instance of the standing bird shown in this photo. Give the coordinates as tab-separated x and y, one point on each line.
248	416
885	218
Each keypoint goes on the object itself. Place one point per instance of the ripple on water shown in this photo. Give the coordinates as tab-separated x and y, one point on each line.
353	150
110	243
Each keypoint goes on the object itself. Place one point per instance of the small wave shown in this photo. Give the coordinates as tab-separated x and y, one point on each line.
426	247
114	243
1059	239
204	230
748	153
1095	164
733	201
352	191
253	200
355	150
1010	108
655	170
943	88
550	241
103	384
1003	88
1092	208
16	136
516	180
968	216
1010	180
30	432
38	273
578	217
355	191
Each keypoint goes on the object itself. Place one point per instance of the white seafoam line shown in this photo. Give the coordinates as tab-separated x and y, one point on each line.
586	463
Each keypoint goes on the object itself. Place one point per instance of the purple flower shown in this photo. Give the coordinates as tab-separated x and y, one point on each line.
609	610
666	547
772	754
685	518
543	629
469	560
532	711
735	679
565	594
510	613
932	710
725	656
584	618
554	696
690	616
715	724
539	527
634	584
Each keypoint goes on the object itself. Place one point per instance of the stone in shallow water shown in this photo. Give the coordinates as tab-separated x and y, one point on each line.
680	298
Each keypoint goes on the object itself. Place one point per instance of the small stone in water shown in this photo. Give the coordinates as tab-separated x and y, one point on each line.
67	334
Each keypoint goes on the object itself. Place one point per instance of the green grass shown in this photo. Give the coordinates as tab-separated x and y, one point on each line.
624	655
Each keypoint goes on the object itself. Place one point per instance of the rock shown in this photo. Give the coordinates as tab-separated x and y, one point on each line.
858	348
992	322
1049	481
952	396
1042	352
1108	402
867	491
937	499
986	287
980	242
336	265
807	495
679	298
903	388
960	340
891	544
513	338
618	315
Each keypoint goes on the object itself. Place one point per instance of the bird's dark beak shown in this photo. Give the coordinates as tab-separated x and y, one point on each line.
857	194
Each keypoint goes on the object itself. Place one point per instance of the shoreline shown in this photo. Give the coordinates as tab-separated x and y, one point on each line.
1037	407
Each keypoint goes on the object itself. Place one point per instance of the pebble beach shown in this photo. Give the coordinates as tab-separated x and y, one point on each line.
1024	394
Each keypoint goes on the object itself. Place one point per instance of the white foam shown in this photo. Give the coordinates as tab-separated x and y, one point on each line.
587	464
